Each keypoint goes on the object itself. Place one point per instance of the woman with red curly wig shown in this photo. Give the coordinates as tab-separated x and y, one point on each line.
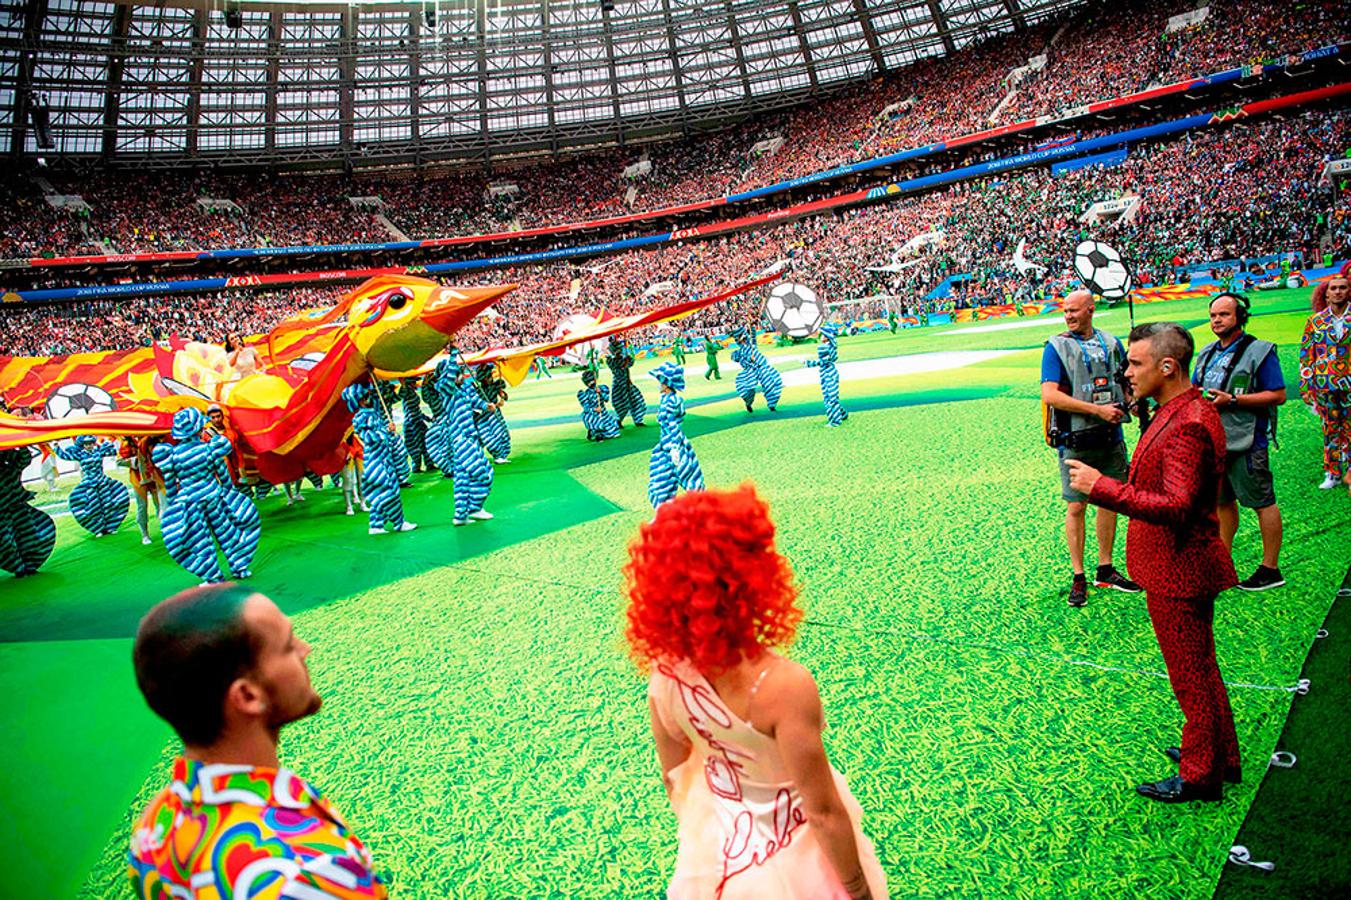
737	726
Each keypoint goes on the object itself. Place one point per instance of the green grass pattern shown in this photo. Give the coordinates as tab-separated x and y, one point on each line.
486	735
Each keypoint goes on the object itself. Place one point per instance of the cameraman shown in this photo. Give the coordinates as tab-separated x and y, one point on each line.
1080	381
1242	377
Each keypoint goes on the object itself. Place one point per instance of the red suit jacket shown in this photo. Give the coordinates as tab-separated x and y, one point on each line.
1173	546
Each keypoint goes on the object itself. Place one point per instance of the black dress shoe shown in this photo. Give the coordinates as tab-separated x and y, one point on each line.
1175	790
1231	776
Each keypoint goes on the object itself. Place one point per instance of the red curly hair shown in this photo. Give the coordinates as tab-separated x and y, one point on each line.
705	583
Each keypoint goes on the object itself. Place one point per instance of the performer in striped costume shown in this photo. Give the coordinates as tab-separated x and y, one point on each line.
27	535
202	508
755	371
464	459
601	424
827	353
628	400
673	464
414	425
491	424
99	503
384	460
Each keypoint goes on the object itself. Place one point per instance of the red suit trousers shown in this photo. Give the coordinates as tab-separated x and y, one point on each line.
1186	633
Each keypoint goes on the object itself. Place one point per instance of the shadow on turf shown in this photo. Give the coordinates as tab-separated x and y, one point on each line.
311	554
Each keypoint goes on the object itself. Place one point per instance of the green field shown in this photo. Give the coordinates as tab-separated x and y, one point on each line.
486	735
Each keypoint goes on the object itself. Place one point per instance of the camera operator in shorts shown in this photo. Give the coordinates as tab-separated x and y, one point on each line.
1082	383
1242	377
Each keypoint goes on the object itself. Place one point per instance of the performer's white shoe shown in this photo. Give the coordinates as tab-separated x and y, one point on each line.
349	512
408	526
377	531
502	461
146	540
1329	482
482	515
462	521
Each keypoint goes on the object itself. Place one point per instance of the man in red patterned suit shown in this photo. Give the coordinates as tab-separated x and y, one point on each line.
1173	549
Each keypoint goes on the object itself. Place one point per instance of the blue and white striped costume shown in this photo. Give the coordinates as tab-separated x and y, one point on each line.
202	508
601	424
755	371
27	535
827	354
414	425
384	464
438	433
491	424
628	399
673	464
464	459
99	503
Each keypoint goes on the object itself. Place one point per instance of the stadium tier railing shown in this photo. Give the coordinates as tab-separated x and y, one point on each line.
1282	64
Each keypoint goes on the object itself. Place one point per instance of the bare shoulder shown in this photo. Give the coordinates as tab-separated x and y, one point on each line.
789	683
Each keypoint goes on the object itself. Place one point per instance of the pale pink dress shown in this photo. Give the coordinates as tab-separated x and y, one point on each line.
743	832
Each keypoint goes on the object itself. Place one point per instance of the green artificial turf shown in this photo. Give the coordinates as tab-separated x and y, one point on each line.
486	735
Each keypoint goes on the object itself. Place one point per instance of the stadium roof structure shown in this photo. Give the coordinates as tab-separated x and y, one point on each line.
250	83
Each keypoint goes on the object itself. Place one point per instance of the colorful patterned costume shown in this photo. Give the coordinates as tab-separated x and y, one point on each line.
99	503
755	371
827	353
384	461
491	424
235	832
203	508
463	457
673	464
628	400
1325	384
414	425
601	424
27	535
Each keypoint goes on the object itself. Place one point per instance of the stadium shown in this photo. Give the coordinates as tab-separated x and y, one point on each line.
281	279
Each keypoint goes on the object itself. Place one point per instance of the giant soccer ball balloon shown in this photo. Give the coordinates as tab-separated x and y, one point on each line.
75	399
793	310
1101	270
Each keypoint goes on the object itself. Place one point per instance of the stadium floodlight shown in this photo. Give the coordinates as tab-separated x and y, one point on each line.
234	19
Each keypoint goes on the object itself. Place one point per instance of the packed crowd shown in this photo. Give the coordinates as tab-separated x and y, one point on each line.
1241	191
1101	52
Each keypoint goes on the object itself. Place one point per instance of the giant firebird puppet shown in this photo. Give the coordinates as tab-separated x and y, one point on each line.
203	509
98	503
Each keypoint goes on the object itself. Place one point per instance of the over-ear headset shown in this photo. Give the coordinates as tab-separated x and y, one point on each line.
1242	306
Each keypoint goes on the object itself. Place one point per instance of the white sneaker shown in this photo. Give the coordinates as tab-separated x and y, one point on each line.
408	526
462	521
290	501
349	512
365	507
1329	482
146	540
502	462
376	531
482	515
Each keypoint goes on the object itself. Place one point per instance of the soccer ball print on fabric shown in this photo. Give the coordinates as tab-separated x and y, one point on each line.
1101	269
794	310
77	399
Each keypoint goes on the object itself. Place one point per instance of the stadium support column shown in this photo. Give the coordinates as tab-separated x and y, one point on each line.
675	61
117	63
481	49
415	78
34	11
740	53
274	27
870	35
546	37
196	61
941	25
802	42
347	82
607	25
1016	14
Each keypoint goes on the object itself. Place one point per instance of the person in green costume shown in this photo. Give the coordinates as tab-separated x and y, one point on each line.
678	349
711	356
891	320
